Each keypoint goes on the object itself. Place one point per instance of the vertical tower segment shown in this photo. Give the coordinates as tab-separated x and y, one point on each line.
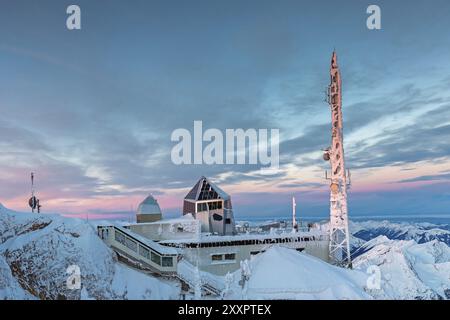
339	178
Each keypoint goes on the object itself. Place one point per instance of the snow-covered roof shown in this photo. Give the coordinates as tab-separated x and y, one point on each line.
149	206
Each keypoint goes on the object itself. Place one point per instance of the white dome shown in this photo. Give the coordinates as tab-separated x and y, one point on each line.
149	206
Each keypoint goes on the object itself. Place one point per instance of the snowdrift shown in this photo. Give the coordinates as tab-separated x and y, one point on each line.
407	271
282	273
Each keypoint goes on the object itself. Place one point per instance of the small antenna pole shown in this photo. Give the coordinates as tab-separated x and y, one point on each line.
32	184
294	218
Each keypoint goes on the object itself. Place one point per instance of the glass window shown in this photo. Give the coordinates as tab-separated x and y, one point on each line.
217	257
219	205
167	261
217	217
144	252
131	244
119	237
230	256
156	258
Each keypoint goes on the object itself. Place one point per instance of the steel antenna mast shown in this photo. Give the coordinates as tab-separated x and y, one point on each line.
339	177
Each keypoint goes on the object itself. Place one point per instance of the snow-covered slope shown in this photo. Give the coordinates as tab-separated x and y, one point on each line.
9	286
37	249
282	273
408	270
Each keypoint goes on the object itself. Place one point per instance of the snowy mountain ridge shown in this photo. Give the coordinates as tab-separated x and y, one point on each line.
36	251
421	232
408	270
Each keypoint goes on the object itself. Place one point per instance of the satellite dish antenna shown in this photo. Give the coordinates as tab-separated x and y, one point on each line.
33	202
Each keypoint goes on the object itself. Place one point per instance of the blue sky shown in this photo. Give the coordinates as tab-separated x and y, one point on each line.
91	111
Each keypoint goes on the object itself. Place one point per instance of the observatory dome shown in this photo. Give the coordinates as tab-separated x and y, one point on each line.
148	210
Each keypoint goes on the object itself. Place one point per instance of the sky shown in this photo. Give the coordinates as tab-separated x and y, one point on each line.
91	111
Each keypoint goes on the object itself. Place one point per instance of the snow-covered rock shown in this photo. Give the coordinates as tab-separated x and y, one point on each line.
355	244
408	270
9	286
36	251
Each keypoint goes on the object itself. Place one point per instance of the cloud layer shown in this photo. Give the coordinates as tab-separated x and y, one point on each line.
92	111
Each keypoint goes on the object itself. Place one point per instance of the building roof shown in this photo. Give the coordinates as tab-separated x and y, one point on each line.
204	189
149	206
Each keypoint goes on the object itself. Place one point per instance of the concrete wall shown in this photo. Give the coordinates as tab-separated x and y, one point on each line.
142	218
318	249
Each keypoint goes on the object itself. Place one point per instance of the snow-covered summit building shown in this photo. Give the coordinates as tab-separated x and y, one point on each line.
204	236
211	206
148	210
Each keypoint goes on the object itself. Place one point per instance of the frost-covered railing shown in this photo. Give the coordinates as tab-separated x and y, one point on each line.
192	276
247	239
